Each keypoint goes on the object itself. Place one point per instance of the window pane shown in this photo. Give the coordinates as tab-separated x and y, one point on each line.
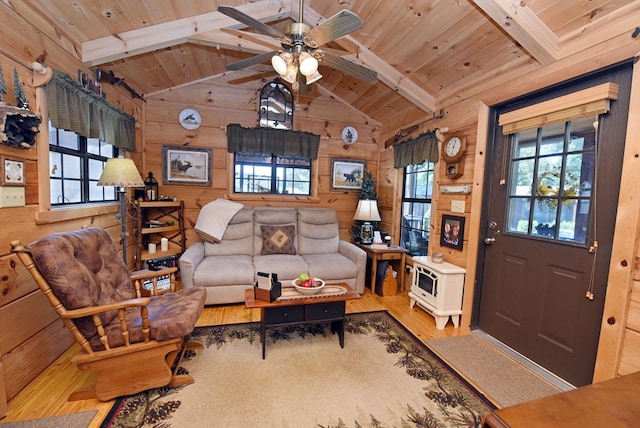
552	139
518	215
93	146
55	187
95	169
523	182
55	164
96	193
574	215
544	217
72	191
68	139
526	144
71	166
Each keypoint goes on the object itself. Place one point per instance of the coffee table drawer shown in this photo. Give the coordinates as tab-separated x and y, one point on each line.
325	311
284	315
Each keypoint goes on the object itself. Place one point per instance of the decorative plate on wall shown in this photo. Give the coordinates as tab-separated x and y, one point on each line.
349	135
190	119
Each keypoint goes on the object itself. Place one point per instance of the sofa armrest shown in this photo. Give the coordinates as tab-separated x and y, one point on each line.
359	257
189	260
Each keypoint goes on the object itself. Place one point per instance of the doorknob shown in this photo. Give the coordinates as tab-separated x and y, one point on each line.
492	225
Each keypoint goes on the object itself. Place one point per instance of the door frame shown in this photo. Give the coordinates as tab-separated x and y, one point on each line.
624	250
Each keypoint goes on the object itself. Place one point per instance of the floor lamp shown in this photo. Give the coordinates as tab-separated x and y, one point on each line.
121	173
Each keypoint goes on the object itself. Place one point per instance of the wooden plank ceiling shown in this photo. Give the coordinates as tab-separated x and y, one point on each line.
426	52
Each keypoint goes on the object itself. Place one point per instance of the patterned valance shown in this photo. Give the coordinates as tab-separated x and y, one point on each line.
416	151
281	142
75	109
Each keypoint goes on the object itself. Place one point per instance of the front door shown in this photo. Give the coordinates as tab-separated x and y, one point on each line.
550	214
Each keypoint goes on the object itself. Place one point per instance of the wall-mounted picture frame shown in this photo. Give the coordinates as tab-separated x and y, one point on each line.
452	231
189	166
346	174
12	172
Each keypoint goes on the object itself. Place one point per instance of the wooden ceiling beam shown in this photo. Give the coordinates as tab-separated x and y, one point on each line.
148	39
526	28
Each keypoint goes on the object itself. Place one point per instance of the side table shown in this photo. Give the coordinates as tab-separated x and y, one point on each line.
380	252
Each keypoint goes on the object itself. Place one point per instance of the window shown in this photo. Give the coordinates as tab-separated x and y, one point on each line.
276	106
551	175
76	164
256	173
416	208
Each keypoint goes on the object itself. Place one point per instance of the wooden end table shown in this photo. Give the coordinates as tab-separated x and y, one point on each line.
302	311
380	252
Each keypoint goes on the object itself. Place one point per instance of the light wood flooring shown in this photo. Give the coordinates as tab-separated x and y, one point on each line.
46	395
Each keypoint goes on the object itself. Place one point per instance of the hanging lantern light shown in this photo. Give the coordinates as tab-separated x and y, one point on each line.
151	187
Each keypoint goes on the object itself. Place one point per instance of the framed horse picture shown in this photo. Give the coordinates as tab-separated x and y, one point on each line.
346	174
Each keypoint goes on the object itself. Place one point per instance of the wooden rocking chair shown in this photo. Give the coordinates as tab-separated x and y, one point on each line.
131	343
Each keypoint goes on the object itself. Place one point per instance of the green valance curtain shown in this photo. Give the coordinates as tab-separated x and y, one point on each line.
416	151
281	142
73	108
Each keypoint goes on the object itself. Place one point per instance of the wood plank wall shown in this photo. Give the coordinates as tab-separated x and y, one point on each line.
235	100
31	335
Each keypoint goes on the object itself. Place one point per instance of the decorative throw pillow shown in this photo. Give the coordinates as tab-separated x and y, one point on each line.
278	240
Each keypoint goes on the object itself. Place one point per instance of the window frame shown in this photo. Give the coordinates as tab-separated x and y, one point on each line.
86	157
425	228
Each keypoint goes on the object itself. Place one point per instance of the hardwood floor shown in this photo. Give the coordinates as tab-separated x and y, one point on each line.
46	395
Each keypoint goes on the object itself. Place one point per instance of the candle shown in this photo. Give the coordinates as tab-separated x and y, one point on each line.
152	248
164	244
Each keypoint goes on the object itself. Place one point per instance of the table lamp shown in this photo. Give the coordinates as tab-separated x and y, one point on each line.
367	211
121	173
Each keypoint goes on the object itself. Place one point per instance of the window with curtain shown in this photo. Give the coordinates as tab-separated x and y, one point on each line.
272	161
416	208
76	163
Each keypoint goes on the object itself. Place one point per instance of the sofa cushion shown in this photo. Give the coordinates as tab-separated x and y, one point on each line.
287	266
225	270
330	266
277	239
237	238
83	268
271	216
318	231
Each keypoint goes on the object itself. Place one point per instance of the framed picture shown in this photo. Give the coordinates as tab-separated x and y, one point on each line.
186	165
452	231
12	172
346	174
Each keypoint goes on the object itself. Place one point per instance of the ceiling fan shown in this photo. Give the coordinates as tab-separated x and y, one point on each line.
298	60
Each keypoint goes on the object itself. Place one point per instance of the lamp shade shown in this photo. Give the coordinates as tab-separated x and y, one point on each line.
120	172
367	211
279	64
308	64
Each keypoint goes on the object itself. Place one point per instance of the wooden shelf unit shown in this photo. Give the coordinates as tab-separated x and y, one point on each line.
163	212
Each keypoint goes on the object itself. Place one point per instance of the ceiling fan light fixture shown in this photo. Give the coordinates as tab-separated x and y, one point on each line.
291	75
280	62
308	64
314	77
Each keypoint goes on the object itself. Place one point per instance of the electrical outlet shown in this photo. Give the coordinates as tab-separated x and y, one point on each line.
457	206
11	197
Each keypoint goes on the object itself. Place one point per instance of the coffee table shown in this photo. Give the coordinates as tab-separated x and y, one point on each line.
302	311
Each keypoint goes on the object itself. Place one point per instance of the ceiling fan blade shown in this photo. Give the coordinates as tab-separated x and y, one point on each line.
249	21
349	67
258	59
340	24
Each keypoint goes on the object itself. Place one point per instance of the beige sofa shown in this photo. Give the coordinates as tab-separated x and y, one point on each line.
286	241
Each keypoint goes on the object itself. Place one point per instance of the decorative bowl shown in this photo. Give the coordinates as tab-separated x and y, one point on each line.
308	290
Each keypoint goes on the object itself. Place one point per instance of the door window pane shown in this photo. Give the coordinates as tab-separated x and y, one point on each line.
557	162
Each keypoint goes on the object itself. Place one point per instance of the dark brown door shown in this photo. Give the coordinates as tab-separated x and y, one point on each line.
552	193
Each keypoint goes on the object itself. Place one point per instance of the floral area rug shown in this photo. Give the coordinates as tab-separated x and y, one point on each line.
383	377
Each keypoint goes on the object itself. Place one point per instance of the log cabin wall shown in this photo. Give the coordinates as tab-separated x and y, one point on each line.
230	100
31	335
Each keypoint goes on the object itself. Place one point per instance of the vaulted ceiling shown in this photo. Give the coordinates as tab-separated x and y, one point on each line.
427	53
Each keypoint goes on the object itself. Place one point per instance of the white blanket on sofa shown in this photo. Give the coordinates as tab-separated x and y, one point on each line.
214	218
